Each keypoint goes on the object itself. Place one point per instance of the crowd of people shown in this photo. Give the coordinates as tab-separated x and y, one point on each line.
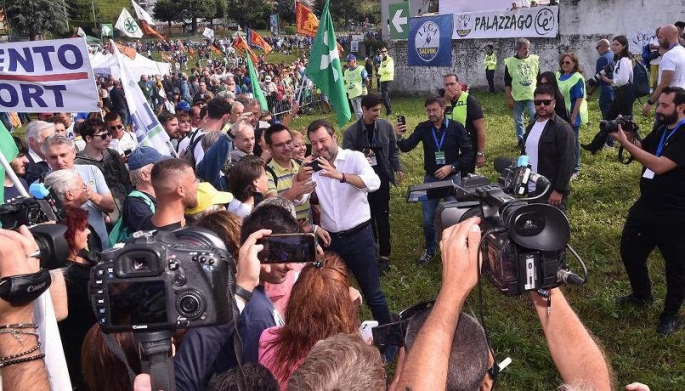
244	174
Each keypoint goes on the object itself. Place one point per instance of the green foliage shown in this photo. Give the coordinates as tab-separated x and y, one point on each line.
289	30
599	203
286	11
250	13
167	11
221	8
374	44
195	9
37	17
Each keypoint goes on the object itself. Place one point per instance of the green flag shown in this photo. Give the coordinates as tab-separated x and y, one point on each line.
9	149
324	67
254	81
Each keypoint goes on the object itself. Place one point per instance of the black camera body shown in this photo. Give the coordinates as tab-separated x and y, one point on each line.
596	79
523	245
627	125
163	281
31	211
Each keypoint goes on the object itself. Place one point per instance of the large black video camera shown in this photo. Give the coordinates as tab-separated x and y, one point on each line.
163	281
523	243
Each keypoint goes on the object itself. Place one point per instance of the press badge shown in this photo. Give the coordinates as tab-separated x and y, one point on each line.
648	174
440	158
373	161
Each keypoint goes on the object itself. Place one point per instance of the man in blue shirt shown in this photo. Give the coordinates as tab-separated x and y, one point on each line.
606	93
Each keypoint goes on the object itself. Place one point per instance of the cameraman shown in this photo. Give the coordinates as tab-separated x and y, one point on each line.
621	82
656	218
576	355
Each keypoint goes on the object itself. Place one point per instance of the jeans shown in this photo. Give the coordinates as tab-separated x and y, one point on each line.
518	115
357	106
490	75
379	201
385	94
428	209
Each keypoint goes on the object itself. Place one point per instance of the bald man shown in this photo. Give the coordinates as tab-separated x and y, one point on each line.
672	66
175	187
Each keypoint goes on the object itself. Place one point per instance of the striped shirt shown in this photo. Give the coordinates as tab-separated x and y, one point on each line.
284	178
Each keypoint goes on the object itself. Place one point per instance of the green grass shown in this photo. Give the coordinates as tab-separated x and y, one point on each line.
598	207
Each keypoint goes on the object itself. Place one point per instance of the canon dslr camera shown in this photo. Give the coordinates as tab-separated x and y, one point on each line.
627	125
163	281
596	79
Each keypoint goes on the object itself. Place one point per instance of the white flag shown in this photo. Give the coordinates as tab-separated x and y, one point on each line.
142	14
81	33
208	33
149	131
127	25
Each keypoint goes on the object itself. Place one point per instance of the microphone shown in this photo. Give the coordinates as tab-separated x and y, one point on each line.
568	277
502	164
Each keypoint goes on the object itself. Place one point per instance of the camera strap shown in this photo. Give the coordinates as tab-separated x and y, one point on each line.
156	358
116	349
24	288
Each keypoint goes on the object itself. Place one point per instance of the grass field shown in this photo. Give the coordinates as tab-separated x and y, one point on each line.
599	202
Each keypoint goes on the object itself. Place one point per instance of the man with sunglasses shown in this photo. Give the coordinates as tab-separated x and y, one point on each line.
549	142
122	141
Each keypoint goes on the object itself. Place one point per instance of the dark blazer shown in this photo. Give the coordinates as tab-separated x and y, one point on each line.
555	153
35	170
388	155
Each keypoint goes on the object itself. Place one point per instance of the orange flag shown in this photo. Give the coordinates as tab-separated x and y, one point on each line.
242	47
306	23
216	51
166	58
147	30
125	50
255	39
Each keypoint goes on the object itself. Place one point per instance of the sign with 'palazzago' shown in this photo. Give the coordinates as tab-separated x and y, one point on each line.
533	22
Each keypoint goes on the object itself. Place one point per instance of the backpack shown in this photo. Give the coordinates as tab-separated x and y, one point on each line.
121	233
189	154
640	84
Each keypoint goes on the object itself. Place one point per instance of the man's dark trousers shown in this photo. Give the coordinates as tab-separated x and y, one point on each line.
379	202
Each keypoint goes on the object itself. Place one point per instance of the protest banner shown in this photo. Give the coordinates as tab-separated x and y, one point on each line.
430	41
533	22
40	76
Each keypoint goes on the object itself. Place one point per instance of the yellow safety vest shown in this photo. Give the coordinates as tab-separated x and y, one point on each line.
354	82
459	110
490	62
387	69
565	88
523	72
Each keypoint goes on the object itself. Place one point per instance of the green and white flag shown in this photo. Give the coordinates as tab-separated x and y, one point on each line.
325	70
9	149
257	92
127	25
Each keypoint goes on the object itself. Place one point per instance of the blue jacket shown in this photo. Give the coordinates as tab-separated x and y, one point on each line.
209	169
606	93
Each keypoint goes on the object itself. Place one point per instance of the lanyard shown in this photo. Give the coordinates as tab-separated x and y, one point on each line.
438	145
665	138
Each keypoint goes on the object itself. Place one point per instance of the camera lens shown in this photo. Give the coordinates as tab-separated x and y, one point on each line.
190	304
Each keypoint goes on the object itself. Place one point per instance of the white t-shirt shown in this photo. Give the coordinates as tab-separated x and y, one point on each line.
532	145
674	60
127	142
93	178
654	41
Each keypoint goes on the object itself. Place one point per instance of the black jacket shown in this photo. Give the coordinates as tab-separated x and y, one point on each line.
555	153
387	154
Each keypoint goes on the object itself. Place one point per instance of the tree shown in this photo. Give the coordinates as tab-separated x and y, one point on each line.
37	17
220	11
167	11
286	11
194	9
250	13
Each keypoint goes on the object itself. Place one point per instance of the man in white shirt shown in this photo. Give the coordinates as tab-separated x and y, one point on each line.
672	66
122	141
342	185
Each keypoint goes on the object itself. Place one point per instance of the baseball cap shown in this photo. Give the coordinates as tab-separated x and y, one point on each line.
142	156
207	196
351	57
184	106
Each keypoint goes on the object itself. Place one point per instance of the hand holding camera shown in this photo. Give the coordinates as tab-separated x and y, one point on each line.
461	263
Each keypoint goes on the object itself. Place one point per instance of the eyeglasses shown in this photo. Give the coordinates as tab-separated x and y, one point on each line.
116	127
103	135
543	102
288	143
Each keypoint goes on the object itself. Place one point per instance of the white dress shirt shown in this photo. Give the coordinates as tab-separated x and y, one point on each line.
343	205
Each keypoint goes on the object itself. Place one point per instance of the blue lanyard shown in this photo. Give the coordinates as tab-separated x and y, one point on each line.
665	138
438	145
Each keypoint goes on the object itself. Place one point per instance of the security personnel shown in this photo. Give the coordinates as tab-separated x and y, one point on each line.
356	79
490	66
466	110
520	79
387	74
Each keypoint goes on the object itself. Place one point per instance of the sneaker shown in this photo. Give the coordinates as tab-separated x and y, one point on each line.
383	266
425	258
631	299
668	325
575	175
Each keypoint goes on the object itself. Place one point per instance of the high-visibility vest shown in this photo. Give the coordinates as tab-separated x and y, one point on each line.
459	111
565	88
490	62
523	72
387	69
354	82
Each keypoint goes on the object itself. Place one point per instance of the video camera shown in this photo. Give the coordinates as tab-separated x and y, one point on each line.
164	280
523	243
44	207
596	79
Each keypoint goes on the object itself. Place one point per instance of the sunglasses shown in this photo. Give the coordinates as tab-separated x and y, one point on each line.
543	102
103	135
116	127
567	62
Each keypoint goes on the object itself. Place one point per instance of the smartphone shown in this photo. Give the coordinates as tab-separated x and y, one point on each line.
288	248
389	334
401	120
365	330
315	165
127	152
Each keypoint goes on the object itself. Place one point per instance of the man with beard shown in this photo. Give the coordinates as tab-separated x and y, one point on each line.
656	218
672	66
446	151
18	165
176	190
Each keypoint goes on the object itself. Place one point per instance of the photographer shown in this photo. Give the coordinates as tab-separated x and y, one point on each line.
576	355
621	82
656	218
